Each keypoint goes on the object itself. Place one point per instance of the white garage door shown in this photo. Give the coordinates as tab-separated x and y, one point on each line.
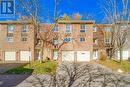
125	55
10	56
67	55
25	56
83	56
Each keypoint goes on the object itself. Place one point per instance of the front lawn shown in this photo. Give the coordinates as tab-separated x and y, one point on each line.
35	68
116	66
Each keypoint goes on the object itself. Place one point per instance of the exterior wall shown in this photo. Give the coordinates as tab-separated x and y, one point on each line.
75	34
17	45
99	35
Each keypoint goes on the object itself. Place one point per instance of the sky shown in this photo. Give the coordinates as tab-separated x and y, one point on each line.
83	7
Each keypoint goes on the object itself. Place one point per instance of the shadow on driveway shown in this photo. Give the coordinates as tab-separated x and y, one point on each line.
12	80
6	66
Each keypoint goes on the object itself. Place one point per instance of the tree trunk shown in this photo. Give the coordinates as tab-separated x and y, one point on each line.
121	52
111	53
59	56
41	55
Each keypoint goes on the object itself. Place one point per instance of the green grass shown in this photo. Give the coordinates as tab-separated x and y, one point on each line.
35	68
114	65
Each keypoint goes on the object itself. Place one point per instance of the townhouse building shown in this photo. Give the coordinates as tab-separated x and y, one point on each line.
84	40
79	45
16	41
103	35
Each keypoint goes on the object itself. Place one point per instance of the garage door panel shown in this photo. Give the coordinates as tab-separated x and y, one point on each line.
25	55
67	56
10	56
83	56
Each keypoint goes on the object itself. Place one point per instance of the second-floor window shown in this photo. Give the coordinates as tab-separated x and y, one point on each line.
107	40
95	41
82	39
67	39
10	29
10	39
55	29
82	28
94	29
124	27
24	28
24	37
55	41
68	28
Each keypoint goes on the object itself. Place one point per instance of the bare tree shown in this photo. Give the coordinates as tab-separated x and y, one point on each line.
118	16
31	8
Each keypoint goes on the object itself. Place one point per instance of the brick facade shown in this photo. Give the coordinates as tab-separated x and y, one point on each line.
92	39
17	45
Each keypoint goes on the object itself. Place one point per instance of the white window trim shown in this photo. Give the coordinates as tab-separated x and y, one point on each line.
27	29
70	28
12	39
94	29
8	29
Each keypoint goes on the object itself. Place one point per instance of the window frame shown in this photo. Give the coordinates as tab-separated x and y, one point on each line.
107	40
82	30
67	38
55	41
94	29
24	39
10	39
82	39
24	30
68	29
56	28
10	30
